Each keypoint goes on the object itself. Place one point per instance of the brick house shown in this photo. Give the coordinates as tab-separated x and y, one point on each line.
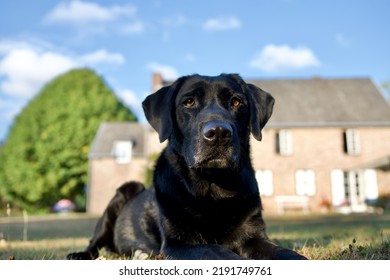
328	141
120	152
327	144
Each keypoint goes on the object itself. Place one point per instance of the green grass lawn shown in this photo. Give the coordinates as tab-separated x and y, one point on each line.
358	236
332	237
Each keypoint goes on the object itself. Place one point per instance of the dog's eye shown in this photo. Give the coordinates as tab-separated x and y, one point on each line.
235	102
189	102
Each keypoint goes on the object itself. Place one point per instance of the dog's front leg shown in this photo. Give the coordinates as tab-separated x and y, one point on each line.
263	249
103	236
104	230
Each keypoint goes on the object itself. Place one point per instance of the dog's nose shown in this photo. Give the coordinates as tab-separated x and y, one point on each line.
217	132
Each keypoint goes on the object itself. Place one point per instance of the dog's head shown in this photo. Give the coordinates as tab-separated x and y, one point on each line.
208	119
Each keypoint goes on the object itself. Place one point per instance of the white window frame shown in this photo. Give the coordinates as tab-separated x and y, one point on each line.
352	142
123	151
285	144
305	182
265	182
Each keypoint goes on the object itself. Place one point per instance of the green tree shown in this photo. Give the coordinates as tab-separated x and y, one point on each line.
45	155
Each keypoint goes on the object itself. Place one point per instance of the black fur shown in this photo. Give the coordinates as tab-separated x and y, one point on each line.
204	202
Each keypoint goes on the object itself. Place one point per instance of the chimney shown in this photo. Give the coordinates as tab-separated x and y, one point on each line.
157	82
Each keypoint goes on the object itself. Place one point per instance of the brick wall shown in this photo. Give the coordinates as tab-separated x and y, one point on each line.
106	176
321	150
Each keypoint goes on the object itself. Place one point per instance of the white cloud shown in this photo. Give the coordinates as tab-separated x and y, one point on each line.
273	58
102	56
222	23
168	72
81	12
26	70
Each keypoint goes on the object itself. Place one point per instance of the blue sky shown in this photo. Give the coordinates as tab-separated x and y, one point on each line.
126	41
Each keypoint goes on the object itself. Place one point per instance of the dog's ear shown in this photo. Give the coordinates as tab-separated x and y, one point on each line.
261	106
158	109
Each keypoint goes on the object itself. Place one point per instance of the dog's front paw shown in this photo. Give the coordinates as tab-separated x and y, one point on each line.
287	254
79	256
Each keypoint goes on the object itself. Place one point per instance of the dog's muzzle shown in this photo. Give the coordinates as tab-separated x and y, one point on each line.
216	146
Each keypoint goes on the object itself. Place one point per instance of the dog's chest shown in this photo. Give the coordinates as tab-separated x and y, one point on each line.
214	221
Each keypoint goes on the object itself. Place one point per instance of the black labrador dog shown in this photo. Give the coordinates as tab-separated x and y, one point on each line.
204	202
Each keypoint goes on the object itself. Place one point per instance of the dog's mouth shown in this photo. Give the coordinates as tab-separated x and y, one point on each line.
216	160
211	163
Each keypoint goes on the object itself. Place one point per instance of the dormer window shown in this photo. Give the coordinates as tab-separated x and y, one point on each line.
352	142
284	142
123	151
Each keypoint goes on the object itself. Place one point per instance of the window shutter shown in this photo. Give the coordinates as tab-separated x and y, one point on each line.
285	142
352	139
300	182
338	192
265	182
370	184
305	182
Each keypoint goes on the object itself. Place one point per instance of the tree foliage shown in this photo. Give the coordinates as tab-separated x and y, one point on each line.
45	156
